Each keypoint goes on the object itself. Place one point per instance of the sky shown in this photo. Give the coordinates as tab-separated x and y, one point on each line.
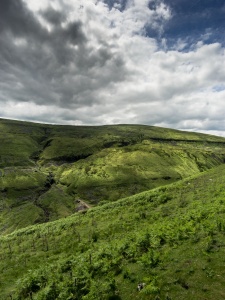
97	62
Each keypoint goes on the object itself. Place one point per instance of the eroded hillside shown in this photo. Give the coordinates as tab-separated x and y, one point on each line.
46	169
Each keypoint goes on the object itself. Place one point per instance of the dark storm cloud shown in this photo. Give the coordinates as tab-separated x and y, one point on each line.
17	19
53	16
56	66
73	33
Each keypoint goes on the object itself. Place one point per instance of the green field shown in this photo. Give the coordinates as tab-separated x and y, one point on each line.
154	211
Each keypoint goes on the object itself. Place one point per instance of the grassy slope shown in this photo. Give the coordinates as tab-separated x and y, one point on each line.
172	238
114	173
44	169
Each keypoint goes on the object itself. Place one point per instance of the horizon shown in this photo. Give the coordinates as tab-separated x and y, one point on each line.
102	125
151	62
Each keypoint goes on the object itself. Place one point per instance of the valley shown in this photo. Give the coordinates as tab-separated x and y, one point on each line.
90	212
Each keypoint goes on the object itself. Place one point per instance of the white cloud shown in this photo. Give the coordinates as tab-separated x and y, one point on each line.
96	66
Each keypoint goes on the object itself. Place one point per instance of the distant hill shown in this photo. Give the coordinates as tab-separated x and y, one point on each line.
46	170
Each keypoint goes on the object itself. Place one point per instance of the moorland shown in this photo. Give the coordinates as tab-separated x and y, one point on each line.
88	212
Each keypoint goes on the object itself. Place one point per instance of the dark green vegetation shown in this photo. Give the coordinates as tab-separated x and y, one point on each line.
167	230
44	169
172	238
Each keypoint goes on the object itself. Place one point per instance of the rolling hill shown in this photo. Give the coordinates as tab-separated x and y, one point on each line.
91	212
46	171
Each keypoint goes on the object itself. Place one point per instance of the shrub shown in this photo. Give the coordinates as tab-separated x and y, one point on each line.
150	289
31	284
150	259
49	293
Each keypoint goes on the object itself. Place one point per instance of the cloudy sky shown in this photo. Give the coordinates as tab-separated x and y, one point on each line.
114	61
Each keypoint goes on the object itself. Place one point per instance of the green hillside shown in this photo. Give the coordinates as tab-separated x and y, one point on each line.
171	238
46	169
